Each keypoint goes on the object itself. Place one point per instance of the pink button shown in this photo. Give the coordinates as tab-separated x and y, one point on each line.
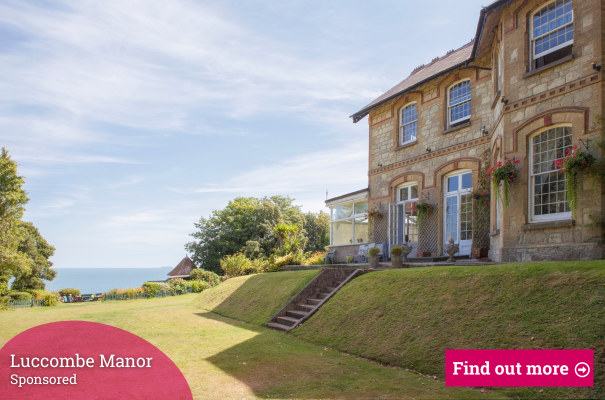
557	368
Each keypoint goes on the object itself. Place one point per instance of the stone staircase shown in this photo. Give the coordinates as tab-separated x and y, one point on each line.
311	297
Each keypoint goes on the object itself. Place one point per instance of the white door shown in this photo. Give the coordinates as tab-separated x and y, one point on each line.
402	224
458	213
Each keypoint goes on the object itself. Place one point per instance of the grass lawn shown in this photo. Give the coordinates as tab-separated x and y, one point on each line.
254	298
409	317
226	359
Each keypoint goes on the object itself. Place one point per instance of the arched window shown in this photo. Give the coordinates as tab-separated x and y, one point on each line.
459	103
548	195
552	33
409	124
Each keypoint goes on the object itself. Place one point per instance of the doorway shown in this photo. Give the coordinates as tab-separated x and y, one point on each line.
458	211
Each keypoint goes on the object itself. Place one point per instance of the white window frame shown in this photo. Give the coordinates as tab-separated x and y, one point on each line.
533	39
450	106
352	217
408	186
460	192
549	217
402	125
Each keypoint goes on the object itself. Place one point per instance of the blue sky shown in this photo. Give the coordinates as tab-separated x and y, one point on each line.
131	119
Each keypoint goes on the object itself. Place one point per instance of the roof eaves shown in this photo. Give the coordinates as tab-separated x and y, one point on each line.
485	11
365	111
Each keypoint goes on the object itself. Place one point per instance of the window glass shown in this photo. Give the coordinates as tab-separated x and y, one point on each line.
549	191
460	101
361	230
343	211
403	194
342	232
409	123
452	183
361	207
414	192
467	181
552	27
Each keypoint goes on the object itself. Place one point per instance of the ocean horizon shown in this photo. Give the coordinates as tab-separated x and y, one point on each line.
99	280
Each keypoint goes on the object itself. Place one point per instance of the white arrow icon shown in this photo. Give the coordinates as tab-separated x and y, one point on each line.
582	370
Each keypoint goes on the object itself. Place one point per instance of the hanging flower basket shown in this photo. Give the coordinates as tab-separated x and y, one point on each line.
423	209
573	162
375	215
506	174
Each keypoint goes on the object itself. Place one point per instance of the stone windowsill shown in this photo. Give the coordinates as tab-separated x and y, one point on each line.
457	127
547	66
548	224
403	146
496	99
495	232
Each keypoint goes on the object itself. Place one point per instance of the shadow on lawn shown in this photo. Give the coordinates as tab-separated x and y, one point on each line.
274	364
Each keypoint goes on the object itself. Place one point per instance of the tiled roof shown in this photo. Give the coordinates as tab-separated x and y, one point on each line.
184	267
421	74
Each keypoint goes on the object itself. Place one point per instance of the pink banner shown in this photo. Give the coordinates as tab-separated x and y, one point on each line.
560	368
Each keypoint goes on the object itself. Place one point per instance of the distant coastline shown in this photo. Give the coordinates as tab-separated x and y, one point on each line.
99	280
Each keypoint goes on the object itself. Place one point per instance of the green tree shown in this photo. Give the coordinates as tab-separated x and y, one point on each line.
39	251
12	205
317	227
243	220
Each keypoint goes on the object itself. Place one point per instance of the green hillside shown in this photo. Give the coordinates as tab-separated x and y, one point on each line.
410	317
254	298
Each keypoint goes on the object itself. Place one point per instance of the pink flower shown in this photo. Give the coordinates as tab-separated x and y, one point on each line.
575	147
517	161
574	156
483	192
489	202
499	163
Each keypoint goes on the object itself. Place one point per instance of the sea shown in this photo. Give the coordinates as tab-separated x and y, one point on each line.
99	280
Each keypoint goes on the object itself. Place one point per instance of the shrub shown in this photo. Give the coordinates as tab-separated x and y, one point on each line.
74	292
198	285
238	265
209	277
151	288
397	251
19	296
37	294
373	251
178	285
279	262
317	258
51	299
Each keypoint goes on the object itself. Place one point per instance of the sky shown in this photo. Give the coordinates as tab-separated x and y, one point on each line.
132	119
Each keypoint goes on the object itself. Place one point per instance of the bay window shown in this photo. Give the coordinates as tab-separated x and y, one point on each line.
349	223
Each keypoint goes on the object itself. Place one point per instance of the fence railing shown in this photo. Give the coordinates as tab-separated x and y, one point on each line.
144	295
14	304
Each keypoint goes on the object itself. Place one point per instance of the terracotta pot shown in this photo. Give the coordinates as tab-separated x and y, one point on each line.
374	261
396	261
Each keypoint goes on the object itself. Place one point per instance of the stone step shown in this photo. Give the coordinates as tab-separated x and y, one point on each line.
305	307
322	295
287	321
279	327
297	314
314	301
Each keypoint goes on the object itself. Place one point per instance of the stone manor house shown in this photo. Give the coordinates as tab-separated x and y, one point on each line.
527	87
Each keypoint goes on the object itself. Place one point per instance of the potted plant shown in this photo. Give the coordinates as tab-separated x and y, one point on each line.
573	162
396	258
506	174
349	259
373	257
422	210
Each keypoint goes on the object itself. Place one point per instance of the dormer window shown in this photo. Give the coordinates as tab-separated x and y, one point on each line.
552	33
409	124
459	103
